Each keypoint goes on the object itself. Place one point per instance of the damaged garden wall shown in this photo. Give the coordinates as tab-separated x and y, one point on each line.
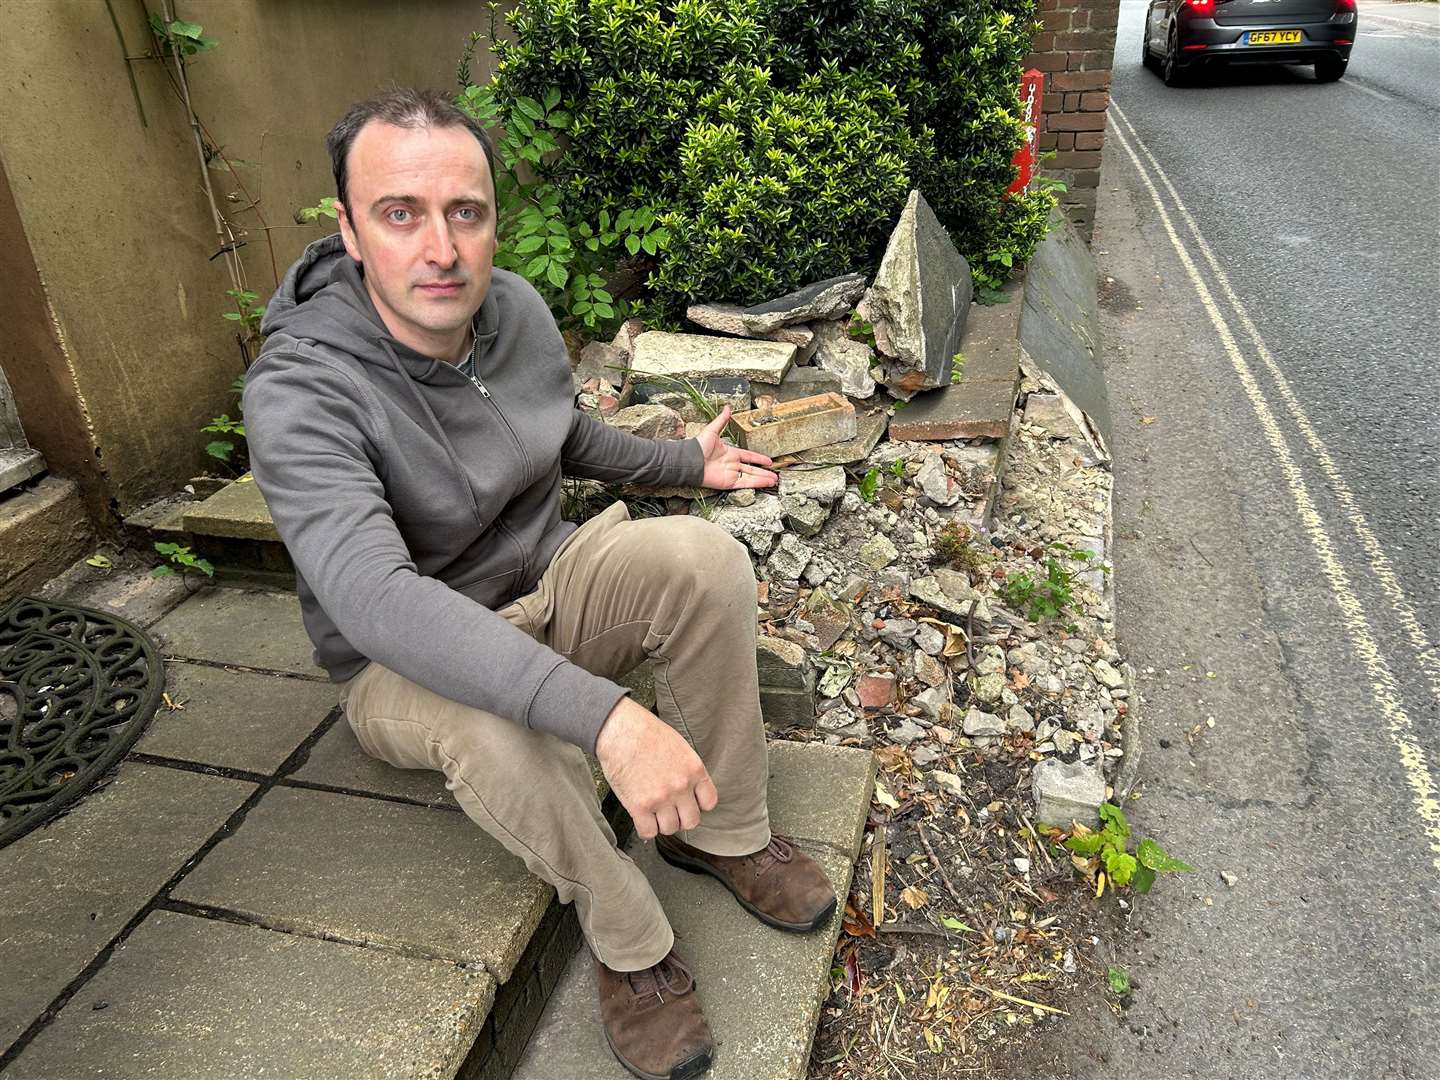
122	337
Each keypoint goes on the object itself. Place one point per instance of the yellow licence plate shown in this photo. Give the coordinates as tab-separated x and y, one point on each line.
1273	37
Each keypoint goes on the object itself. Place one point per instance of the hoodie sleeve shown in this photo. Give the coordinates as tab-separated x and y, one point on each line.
312	433
596	451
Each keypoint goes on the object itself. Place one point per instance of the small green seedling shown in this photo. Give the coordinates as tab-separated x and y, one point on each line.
897	468
182	560
869	484
1104	857
957	370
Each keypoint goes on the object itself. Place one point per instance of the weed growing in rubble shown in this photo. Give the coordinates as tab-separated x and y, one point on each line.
1053	595
869	484
180	557
952	547
1104	855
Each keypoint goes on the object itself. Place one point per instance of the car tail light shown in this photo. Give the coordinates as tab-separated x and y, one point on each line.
1344	5
1207	7
1344	12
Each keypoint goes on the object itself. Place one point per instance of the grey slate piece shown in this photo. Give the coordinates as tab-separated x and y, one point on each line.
364	869
826	299
251	627
66	889
235	719
191	997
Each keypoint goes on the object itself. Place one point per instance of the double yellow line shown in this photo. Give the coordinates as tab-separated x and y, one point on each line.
1399	726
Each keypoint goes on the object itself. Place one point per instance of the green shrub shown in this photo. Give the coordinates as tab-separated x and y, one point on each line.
775	140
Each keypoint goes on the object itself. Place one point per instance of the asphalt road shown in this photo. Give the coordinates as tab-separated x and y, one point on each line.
1277	564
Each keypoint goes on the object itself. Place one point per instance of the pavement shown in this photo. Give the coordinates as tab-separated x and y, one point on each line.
250	895
1291	724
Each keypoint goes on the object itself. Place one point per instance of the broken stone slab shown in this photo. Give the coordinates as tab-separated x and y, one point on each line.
919	301
868	430
717	393
727	319
789	559
782	664
823	485
755	525
966	411
849	360
798	383
797	425
650	422
601	361
1067	792
701	356
826	299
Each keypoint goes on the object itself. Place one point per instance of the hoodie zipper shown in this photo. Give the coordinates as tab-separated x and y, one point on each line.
525	462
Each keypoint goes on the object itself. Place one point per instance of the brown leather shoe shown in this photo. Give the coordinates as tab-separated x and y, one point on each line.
779	884
653	1021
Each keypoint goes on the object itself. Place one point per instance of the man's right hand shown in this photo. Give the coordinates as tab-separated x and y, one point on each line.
653	771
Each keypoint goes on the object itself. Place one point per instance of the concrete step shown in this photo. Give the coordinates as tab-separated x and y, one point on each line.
761	988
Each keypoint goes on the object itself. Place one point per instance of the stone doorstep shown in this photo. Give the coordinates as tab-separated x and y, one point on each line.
761	988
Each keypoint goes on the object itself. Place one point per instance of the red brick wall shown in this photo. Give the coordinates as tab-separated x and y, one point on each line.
1075	48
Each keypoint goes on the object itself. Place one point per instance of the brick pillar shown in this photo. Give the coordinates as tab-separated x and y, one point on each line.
1075	47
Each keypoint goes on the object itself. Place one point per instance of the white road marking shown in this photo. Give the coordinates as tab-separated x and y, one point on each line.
1425	650
1353	85
1399	726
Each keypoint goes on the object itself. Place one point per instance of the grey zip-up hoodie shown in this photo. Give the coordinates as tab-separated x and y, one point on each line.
414	503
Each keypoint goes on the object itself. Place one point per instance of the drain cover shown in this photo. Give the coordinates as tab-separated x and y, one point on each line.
76	689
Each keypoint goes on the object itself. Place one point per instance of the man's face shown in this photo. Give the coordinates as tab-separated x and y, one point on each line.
418	216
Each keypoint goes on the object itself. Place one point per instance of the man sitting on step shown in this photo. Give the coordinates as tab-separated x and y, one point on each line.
408	422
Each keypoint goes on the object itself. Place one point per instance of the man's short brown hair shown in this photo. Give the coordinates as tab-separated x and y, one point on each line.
402	108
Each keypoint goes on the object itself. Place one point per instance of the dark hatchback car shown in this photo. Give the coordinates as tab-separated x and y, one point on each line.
1185	36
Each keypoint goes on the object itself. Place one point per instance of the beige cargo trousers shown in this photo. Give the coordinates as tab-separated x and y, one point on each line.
677	590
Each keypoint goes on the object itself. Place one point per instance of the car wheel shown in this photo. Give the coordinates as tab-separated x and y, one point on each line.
1172	72
1330	69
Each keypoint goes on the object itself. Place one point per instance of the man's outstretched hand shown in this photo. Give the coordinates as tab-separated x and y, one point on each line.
728	467
654	773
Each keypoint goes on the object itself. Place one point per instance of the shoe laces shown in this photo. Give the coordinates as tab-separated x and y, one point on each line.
669	975
779	850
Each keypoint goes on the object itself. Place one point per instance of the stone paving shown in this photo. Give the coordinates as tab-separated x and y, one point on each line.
250	895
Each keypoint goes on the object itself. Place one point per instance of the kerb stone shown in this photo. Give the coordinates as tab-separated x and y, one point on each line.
966	411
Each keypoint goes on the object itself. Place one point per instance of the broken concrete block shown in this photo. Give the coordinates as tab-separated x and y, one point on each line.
1066	793
823	485
701	356
804	516
717	392
797	425
789	559
823	300
868	430
650	422
755	526
788	708
918	302
966	411
978	722
781	663
878	552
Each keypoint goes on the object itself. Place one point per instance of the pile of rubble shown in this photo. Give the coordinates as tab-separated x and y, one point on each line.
881	564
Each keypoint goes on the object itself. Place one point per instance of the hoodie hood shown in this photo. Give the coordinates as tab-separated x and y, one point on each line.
323	299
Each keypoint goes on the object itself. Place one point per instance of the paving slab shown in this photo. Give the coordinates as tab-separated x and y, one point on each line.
698	356
235	719
966	411
131	594
66	889
411	877
337	761
251	627
820	793
191	997
237	510
761	988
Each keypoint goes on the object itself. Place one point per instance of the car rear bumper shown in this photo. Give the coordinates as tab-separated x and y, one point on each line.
1206	41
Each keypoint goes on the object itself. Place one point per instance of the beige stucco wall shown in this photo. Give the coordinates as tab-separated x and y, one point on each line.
113	206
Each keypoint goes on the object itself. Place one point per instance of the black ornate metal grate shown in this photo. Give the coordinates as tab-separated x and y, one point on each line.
77	688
